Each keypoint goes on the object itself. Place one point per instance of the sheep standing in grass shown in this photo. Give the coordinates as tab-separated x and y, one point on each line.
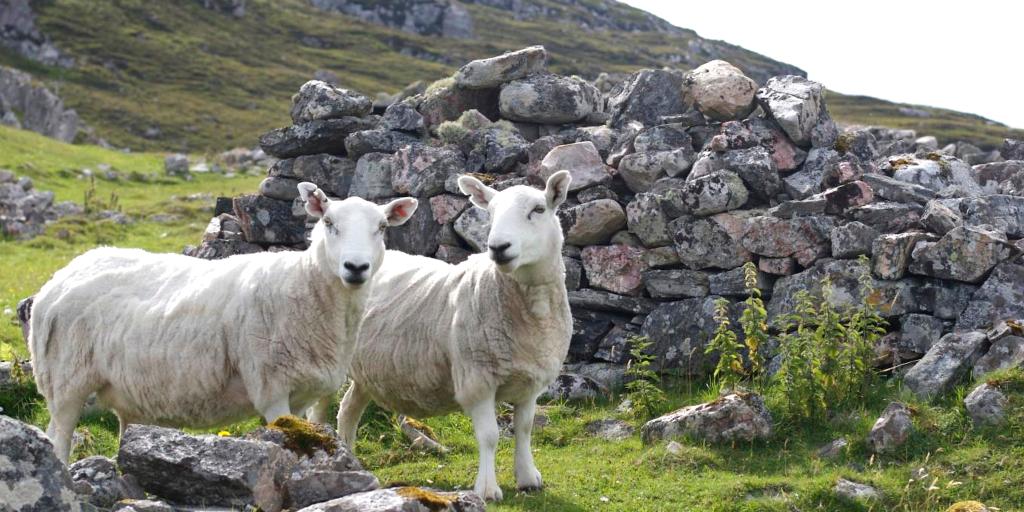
179	341
438	338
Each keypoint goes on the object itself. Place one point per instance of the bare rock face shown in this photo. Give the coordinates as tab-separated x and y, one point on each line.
963	254
26	104
892	429
1001	297
34	480
18	32
721	91
646	96
98	475
424	17
733	417
986	405
945	363
504	68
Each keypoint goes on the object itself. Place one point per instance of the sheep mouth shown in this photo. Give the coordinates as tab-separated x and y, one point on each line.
354	282
502	260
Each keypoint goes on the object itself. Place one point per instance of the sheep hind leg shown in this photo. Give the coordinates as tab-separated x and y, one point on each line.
527	475
318	412
351	410
276	408
485	426
64	415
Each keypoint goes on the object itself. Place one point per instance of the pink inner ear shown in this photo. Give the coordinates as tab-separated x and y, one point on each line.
399	210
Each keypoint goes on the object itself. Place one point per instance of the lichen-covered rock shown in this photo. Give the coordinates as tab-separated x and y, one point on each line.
854	491
616	268
753	165
422	170
945	363
32	479
776	238
402	116
947	176
986	405
1001	297
419	235
897	190
812	176
609	429
446	102
647	220
494	71
712	193
307	488
321	100
592	223
963	254
207	470
176	164
732	283
721	91
663	137
105	486
546	98
573	387
583	162
269	221
284	189
641	170
892	429
1003	212
887	216
676	283
710	242
377	141
310	138
647	96
798	105
1005	352
939	218
473	225
733	417
890	253
852	239
331	173
919	332
402	499
371	178
679	332
495	149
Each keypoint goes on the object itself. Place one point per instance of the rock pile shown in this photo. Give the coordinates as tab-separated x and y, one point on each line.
24	103
24	211
289	465
678	180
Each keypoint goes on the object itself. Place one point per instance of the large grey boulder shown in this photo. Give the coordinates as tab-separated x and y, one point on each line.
947	176
96	477
402	499
919	332
269	221
754	166
593	222
986	405
32	479
1007	352
733	417
939	218
494	71
546	98
647	220
321	100
712	193
305	488
710	242
721	91
419	235
854	491
945	363
963	254
641	170
372	177
377	141
1000	298
616	268
176	164
310	138
646	96
852	239
422	170
1003	212
890	253
205	470
776	238
887	216
898	190
812	176
798	105
892	429
583	162
496	148
598	300
679	332
402	116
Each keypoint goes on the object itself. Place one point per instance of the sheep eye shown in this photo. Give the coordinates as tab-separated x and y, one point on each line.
383	226
538	210
328	222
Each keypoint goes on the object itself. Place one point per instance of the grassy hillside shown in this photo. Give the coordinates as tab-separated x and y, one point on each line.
26	265
176	76
947	125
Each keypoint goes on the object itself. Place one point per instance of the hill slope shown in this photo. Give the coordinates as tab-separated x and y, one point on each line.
181	76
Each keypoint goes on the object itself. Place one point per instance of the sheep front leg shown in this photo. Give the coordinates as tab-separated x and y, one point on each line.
485	426
527	475
318	412
351	409
276	408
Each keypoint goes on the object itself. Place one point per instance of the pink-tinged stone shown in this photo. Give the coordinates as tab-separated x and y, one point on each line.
777	266
785	154
446	207
616	268
850	195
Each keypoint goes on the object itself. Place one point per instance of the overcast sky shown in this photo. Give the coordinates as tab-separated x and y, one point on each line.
966	56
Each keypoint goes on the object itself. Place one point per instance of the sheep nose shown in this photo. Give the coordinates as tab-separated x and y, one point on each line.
499	248
356	269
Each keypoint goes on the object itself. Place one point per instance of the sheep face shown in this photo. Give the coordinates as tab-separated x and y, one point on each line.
350	232
524	226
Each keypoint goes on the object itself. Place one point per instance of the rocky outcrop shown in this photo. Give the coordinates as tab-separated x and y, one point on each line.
25	211
733	417
25	103
444	18
19	33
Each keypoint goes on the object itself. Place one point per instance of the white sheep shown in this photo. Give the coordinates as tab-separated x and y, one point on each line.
438	338
178	341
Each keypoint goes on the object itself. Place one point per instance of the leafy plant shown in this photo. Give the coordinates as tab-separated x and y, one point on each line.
754	322
643	389
729	370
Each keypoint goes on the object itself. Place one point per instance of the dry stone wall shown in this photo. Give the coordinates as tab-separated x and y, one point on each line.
678	180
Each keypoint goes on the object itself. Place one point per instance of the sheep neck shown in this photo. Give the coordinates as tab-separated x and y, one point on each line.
340	307
540	284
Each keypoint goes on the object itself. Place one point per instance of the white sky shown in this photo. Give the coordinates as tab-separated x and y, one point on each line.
965	55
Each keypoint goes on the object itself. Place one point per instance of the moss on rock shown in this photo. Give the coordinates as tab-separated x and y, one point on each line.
303	437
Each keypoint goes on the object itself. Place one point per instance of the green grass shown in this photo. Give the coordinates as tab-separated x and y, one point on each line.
26	265
585	473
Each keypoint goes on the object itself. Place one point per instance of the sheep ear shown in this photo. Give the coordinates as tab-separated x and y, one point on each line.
315	199
400	210
479	194
557	188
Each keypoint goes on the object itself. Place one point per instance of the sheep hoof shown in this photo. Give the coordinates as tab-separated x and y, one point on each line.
489	493
531	481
